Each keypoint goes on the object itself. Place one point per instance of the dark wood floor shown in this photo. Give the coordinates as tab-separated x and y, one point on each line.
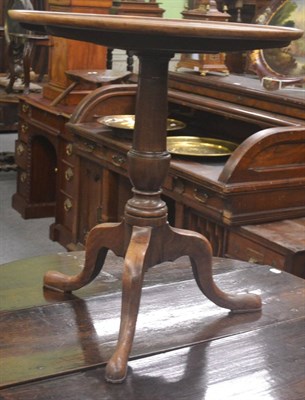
55	346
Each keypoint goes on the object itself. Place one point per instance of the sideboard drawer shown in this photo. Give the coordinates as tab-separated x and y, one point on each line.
245	249
280	244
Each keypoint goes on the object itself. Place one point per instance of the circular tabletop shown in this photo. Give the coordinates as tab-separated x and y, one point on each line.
156	34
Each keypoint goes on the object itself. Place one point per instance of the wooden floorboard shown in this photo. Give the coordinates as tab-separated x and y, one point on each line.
59	336
267	363
21	281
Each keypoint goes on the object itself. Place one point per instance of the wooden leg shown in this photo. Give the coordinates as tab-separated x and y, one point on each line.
147	247
11	67
116	369
179	242
103	237
27	56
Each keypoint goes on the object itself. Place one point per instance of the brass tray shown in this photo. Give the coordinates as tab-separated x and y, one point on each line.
127	122
199	146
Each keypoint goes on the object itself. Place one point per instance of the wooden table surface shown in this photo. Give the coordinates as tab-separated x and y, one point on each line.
55	345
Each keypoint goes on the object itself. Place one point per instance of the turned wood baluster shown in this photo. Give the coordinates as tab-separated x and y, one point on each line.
148	158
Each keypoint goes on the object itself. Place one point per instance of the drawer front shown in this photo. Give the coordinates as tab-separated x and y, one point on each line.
203	200
48	121
245	249
90	149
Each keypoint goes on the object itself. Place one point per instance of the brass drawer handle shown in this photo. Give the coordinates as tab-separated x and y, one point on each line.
90	147
201	197
69	174
23	177
67	205
69	149
24	128
20	149
118	160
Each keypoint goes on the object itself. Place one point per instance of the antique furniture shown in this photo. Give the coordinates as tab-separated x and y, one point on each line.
148	8
280	243
288	62
41	139
267	241
9	102
55	345
22	45
66	54
205	63
8	112
196	198
91	79
91	163
144	237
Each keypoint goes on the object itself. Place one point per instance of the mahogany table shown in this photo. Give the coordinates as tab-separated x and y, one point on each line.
145	238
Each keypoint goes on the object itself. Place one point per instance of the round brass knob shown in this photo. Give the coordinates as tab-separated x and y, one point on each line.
69	174
20	149
25	108
69	149
67	205
23	177
24	128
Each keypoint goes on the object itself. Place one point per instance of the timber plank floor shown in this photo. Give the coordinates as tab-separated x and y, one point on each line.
55	345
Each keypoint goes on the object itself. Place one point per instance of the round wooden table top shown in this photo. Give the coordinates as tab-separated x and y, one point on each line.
156	34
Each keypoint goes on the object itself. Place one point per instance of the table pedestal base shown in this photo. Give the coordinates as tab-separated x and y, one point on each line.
145	238
142	248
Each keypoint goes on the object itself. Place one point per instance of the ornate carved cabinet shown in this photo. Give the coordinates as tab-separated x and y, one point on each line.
262	181
41	139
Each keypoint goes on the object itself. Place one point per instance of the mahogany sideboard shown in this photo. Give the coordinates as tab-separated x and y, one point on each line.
56	345
86	162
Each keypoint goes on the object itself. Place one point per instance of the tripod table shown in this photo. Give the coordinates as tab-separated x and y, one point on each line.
144	238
